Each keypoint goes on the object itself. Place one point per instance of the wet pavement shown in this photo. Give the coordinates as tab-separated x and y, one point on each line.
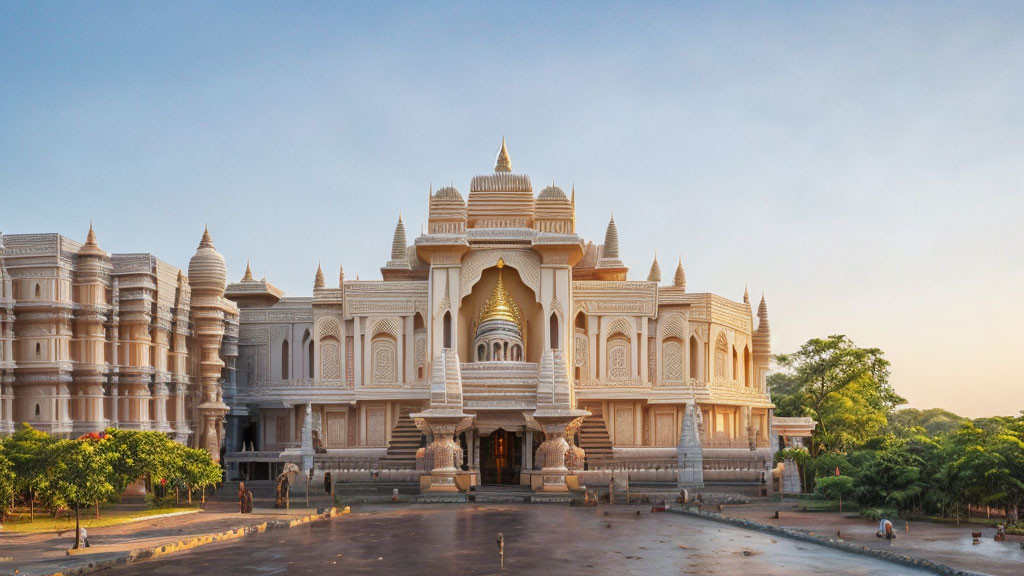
455	540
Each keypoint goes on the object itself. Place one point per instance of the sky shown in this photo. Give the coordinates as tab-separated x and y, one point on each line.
861	164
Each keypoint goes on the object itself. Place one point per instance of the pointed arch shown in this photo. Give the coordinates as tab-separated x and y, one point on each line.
554	334
446	327
285	356
694	358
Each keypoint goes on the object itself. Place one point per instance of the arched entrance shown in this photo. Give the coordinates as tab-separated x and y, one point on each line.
500	457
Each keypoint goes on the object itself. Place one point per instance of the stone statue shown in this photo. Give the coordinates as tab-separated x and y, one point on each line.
284	480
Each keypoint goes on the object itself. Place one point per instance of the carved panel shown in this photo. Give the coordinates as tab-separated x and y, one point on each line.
672	358
652	360
664	428
384	357
581	351
329	327
330	359
618	359
337	429
621	326
349	367
721	356
623	425
376	433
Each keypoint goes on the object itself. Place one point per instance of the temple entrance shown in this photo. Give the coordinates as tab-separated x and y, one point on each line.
500	458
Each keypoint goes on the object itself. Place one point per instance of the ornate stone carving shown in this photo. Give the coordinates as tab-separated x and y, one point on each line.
618	359
526	263
384	356
672	355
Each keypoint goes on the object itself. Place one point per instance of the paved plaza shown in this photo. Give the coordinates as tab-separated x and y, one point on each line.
456	540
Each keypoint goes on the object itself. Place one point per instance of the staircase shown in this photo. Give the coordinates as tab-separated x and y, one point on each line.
594	438
405	440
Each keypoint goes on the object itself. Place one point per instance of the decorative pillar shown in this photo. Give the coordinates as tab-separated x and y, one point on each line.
689	454
207	275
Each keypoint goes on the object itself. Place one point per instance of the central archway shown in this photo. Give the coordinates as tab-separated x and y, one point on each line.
500	458
532	315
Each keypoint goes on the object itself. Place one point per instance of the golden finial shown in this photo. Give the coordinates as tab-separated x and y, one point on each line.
501	306
248	272
504	163
501	263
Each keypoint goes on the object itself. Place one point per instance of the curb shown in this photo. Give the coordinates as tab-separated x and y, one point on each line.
192	542
901	559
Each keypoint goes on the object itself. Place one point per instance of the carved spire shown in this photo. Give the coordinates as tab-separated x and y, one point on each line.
90	239
319	281
341	276
611	240
746	295
762	337
206	241
247	277
680	279
398	252
91	248
504	163
655	274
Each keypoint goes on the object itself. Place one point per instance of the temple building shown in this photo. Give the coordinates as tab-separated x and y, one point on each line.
502	341
498	347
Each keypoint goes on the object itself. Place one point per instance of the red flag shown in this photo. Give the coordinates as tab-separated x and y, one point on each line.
837	470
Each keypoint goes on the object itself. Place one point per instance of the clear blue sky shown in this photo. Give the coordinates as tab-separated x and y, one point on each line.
864	165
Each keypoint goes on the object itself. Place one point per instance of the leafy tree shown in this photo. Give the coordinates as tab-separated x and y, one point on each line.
889	476
80	474
27	451
138	454
934	421
834	487
193	469
8	485
843	387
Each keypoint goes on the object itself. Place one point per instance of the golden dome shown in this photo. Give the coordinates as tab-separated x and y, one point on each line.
500	306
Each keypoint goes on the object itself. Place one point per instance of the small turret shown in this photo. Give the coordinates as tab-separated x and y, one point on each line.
679	281
746	295
207	272
762	337
247	277
611	240
91	248
503	163
655	274
399	249
319	281
341	276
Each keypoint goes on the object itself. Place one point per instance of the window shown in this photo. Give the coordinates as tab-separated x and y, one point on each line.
447	329
284	360
554	332
39	292
39	349
37	409
694	357
310	364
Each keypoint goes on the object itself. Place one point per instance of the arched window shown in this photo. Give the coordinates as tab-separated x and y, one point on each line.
37	409
496	355
517	353
746	367
694	358
554	332
309	368
447	329
481	353
384	355
284	360
39	349
39	292
735	364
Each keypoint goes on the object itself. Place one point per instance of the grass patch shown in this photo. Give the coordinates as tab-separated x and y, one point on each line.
20	523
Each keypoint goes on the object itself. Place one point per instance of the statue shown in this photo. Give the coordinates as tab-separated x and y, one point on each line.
283	483
318	443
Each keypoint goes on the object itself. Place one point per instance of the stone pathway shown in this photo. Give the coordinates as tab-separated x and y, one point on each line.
46	553
940	543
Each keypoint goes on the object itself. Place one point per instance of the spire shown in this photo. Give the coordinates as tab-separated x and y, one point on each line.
248	272
341	276
655	274
611	240
746	295
319	282
398	252
680	279
90	239
206	242
504	163
762	337
762	313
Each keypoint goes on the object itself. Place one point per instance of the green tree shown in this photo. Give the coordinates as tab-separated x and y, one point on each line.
889	476
80	474
192	469
843	387
27	451
8	486
138	454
